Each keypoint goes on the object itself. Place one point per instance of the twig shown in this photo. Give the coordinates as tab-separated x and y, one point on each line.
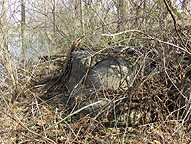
164	64
17	132
15	118
72	115
13	131
66	64
148	37
175	25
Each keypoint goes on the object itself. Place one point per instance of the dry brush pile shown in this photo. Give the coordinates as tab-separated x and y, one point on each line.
160	51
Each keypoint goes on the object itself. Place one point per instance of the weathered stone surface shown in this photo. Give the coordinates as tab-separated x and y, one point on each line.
110	73
104	73
95	109
79	69
134	117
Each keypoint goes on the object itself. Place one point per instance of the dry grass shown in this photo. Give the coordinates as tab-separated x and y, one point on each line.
48	118
160	89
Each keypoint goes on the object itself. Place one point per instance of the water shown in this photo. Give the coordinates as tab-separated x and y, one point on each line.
35	49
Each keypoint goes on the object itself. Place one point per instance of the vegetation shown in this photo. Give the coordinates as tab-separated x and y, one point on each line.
35	37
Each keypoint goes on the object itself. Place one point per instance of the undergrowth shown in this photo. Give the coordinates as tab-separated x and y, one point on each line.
33	110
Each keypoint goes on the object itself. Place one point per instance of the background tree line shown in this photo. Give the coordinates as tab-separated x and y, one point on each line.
157	29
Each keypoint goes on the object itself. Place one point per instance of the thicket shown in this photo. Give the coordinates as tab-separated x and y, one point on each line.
158	34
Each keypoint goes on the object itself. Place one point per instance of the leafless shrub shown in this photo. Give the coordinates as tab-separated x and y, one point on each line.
153	37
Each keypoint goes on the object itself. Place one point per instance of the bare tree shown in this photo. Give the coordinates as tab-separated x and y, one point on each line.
4	25
185	4
120	12
6	57
54	16
23	35
81	15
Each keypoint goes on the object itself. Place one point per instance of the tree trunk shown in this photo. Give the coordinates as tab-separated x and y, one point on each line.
81	15
54	16
120	13
23	35
4	25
